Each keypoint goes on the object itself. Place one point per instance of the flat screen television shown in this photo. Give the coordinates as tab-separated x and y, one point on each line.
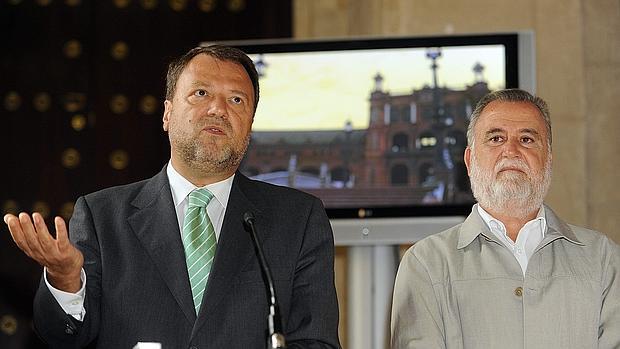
376	127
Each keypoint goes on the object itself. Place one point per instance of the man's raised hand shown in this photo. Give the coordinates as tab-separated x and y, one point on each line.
63	261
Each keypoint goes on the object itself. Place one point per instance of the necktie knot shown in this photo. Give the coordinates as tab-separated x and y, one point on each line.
200	197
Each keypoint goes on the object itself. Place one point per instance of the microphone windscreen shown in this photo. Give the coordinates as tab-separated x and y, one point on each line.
248	217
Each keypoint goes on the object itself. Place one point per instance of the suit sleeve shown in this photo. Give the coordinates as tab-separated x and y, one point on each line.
609	327
416	317
53	325
313	316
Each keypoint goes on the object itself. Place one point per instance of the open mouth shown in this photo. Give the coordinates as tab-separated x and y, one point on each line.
214	130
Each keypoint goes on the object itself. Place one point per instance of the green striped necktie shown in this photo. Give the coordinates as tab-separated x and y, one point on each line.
199	243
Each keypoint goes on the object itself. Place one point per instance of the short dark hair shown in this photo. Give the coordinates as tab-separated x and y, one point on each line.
221	52
509	95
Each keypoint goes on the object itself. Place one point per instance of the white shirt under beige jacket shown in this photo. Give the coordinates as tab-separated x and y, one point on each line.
462	288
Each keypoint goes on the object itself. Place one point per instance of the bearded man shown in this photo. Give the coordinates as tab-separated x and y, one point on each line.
168	259
513	274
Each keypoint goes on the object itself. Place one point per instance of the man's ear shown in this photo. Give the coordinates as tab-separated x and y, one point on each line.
167	112
467	158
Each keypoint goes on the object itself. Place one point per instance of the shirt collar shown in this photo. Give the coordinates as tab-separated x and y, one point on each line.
181	187
539	224
475	225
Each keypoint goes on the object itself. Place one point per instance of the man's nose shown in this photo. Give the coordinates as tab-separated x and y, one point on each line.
511	148
217	106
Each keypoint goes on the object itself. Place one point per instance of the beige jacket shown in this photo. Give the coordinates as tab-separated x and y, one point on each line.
462	288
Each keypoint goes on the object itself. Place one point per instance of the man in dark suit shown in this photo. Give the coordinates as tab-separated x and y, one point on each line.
130	271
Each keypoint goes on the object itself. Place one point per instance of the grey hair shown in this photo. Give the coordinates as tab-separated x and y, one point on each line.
508	95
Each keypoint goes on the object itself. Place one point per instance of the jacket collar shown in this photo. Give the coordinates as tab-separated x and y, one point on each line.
474	225
155	224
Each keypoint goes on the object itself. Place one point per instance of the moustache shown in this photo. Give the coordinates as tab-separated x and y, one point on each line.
218	122
511	164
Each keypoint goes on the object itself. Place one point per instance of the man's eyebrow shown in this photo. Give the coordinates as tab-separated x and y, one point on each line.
200	84
240	93
494	130
523	130
530	131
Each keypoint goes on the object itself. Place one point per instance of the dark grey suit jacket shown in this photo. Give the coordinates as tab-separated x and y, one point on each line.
137	286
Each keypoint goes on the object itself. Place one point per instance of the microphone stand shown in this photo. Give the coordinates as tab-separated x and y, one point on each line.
275	338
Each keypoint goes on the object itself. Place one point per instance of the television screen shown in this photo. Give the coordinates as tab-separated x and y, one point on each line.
374	127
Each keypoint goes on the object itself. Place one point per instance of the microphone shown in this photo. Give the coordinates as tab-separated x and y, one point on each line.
276	338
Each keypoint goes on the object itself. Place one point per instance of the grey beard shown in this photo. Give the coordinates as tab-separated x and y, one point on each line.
517	195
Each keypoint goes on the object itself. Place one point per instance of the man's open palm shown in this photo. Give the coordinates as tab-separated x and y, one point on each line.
63	261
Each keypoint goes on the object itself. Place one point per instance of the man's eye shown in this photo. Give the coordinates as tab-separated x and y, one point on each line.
496	139
200	93
237	100
527	140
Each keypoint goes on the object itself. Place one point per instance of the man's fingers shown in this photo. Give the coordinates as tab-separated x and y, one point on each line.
62	235
43	235
35	240
72	258
30	235
17	233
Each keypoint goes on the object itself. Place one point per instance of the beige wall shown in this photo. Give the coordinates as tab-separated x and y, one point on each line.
577	67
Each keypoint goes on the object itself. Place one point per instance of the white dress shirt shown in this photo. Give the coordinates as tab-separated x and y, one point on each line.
73	303
529	237
181	188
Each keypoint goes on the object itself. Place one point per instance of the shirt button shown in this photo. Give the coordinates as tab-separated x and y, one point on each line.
519	291
519	251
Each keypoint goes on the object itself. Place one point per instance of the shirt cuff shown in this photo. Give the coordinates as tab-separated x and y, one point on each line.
71	303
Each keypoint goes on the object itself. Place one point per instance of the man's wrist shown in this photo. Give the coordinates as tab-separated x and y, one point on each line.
70	283
71	303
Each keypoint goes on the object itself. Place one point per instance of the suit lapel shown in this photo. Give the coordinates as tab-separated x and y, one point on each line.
234	250
155	225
